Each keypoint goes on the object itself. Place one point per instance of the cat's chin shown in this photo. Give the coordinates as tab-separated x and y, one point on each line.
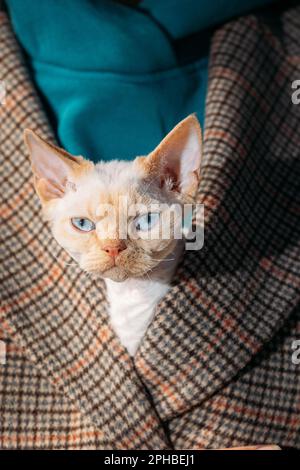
115	274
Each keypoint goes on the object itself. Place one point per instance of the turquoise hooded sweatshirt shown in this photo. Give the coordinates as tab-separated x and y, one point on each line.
115	79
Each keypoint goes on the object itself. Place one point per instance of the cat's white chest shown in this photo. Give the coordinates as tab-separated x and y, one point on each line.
132	305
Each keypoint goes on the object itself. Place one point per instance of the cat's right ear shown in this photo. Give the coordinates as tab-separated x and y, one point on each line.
53	168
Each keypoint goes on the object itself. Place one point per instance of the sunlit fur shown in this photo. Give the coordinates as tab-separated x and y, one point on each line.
105	184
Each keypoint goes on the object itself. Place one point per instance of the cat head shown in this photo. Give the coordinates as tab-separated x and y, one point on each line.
113	217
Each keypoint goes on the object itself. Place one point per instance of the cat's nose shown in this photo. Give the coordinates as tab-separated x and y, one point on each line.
114	248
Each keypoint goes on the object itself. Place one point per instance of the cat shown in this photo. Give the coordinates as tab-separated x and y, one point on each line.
81	200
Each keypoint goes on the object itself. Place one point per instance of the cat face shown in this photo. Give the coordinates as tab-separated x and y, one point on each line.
118	219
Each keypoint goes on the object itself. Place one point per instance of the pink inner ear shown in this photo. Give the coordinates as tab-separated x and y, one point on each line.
47	189
180	155
48	161
169	173
51	166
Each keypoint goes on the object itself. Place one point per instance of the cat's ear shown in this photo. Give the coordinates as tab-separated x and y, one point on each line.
53	168
177	158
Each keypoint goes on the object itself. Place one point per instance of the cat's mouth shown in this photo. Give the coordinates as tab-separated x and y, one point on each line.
115	273
128	264
119	273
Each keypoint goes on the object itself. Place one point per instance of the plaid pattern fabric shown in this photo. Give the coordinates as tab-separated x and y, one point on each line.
231	299
215	367
74	364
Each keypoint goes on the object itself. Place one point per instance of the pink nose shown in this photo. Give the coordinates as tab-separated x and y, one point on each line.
113	249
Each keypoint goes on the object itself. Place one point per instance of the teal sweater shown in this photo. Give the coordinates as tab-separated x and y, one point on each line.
111	75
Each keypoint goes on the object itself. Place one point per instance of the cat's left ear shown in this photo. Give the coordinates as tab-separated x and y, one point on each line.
178	157
53	168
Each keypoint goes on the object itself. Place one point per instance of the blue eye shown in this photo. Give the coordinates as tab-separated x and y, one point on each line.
147	221
82	224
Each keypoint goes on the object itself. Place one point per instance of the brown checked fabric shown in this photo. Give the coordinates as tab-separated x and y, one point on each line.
215	368
77	386
231	298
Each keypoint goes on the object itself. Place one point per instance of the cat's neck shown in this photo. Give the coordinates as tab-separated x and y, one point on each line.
133	302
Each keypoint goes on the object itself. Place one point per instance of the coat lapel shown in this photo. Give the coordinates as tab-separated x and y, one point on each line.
52	310
230	298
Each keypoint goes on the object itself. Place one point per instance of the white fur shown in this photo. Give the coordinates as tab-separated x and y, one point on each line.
132	307
133	302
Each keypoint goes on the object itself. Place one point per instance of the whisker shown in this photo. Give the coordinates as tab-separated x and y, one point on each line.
163	259
64	262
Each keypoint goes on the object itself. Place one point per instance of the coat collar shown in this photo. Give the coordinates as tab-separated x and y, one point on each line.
230	298
54	312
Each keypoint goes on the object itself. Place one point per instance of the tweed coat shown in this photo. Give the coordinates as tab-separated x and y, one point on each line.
215	367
